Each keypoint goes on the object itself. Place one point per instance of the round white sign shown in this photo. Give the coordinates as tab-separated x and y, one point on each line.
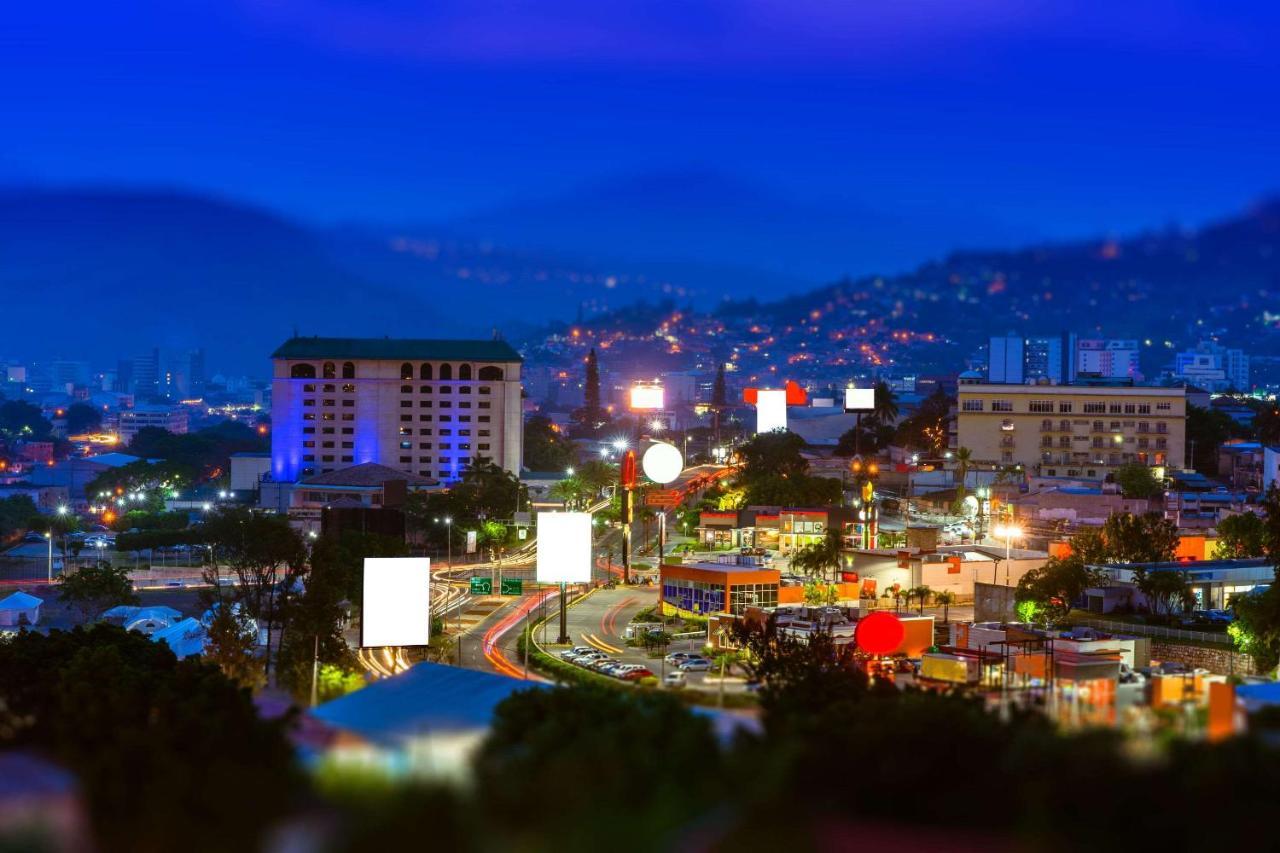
662	462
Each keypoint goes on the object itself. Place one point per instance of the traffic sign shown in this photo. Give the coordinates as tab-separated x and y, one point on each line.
482	586
512	586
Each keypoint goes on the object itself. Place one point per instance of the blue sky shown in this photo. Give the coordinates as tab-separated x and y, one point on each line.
1052	118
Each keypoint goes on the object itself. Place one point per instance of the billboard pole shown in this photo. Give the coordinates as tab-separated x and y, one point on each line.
564	622
627	483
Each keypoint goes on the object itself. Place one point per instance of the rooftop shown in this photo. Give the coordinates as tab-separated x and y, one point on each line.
397	349
366	475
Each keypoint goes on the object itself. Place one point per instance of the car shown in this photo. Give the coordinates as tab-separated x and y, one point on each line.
676	658
674	680
1222	617
585	660
601	664
620	669
695	665
575	651
34	537
636	674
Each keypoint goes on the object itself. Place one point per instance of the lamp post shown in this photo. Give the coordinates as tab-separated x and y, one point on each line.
448	537
1008	532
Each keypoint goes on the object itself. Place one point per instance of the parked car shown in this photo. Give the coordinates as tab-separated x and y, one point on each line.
575	651
585	660
695	665
677	658
1222	617
636	674
602	663
674	680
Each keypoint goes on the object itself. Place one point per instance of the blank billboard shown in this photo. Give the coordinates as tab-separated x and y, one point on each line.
647	397
564	547
397	601
859	399
771	410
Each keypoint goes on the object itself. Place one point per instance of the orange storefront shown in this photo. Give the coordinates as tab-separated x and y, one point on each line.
705	588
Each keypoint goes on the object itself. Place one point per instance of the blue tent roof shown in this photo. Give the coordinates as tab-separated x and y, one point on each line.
429	698
1267	693
20	601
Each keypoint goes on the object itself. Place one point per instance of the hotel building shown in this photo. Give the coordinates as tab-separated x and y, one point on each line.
1072	430
425	407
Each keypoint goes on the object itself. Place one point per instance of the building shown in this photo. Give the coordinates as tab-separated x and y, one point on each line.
167	418
948	568
1213	582
783	529
1108	359
730	585
1213	366
1071	430
367	485
1006	360
425	407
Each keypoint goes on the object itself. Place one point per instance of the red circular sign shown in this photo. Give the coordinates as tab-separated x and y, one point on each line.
879	633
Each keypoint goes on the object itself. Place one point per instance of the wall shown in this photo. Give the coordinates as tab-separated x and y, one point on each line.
993	603
1221	661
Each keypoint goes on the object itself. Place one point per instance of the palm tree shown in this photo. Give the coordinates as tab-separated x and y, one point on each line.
568	490
814	560
921	593
946	599
885	407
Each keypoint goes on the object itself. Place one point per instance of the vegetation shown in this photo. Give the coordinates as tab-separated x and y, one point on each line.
775	473
96	587
485	492
545	448
1242	535
1137	481
17	514
1053	587
820	558
1146	538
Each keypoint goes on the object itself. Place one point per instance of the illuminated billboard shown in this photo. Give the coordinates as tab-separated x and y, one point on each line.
859	399
397	601
662	462
771	410
647	397
564	547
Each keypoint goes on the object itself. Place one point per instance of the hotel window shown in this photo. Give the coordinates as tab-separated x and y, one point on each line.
446	418
424	372
1001	406
424	432
464	446
308	457
326	458
330	371
406	430
424	445
464	432
1095	408
308	402
307	472
446	389
348	370
348	388
309	388
1040	406
444	404
464	372
348	459
446	446
485	389
971	406
446	432
483	446
1064	408
348	403
329	389
466	419
425	389
326	416
1130	408
328	402
308	416
406	404
426	404
484	404
348	445
302	371
326	430
422	459
446	372
465	404
1144	408
424	417
326	444
1114	409
464	389
406	371
348	431
490	373
406	389
483	432
404	418
484	419
406	458
405	445
308	444
348	416
1163	407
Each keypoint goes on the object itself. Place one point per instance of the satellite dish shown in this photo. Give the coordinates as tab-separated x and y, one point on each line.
662	462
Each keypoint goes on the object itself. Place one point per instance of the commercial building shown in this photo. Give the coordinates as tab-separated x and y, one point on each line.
782	529
1107	359
167	418
1213	583
1071	430
1213	366
425	407
1006	363
730	585
368	485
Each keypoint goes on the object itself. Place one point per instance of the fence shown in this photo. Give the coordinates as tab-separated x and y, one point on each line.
1210	637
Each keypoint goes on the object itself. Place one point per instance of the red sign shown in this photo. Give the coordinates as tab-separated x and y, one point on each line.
879	633
627	470
849	577
667	498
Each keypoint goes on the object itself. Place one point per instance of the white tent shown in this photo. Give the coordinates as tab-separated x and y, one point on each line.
186	638
20	609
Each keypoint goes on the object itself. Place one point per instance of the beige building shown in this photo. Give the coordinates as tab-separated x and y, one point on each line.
1072	430
425	407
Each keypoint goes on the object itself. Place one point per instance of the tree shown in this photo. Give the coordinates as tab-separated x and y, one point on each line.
1242	535
1137	481
22	421
232	646
1164	589
1208	429
816	559
592	416
545	448
821	594
1146	538
927	428
921	594
792	491
773	454
944	599
885	409
94	588
1055	586
1256	629
1090	546
82	418
964	456
157	745
267	557
17	512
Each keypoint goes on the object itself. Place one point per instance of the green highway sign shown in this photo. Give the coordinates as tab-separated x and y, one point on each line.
482	586
512	586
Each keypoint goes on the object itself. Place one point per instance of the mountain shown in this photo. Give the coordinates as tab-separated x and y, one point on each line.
106	272
707	227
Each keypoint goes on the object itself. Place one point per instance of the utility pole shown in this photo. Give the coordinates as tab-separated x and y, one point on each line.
564	620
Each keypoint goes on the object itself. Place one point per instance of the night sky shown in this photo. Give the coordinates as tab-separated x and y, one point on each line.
1052	118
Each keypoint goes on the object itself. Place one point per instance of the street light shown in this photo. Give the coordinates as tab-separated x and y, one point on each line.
1008	532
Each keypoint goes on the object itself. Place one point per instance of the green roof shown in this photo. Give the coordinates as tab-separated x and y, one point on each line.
397	349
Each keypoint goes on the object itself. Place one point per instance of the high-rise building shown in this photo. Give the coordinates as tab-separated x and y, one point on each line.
146	376
1108	359
426	407
1006	360
1213	367
1051	357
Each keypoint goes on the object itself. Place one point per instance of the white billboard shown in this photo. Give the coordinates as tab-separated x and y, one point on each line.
647	398
397	601
564	547
771	410
859	399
